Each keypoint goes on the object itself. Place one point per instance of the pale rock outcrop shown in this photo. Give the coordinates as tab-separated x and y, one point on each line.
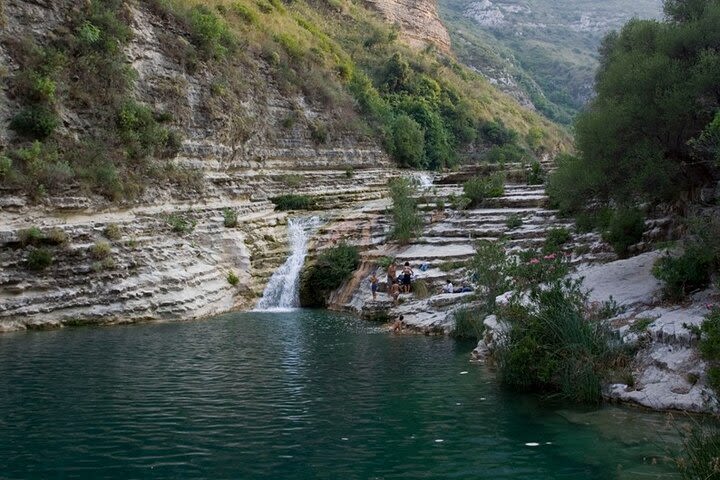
418	20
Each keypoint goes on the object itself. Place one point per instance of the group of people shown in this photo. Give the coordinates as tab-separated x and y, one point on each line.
402	283
397	283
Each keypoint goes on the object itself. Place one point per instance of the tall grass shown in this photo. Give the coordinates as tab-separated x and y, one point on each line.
407	222
700	457
468	324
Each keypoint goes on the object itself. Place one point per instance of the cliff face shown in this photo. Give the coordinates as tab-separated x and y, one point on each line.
418	20
169	253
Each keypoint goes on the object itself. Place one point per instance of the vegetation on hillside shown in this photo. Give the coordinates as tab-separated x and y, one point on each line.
327	273
407	220
546	49
553	341
651	134
423	107
82	69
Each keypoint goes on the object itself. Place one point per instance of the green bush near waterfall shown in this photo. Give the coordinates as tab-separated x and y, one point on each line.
327	273
478	189
407	222
294	202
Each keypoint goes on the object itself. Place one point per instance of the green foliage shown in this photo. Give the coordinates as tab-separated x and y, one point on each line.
385	262
626	228
407	222
653	87
39	259
491	270
700	457
479	188
327	273
681	275
36	121
230	218
641	324
210	32
232	278
513	221
142	134
101	249
180	224
31	236
245	13
468	324
555	238
56	236
112	231
107	263
496	133
318	132
532	269
507	154
553	347
420	289
408	147
535	175
294	202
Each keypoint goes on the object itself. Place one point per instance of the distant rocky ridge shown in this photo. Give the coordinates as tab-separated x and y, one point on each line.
418	20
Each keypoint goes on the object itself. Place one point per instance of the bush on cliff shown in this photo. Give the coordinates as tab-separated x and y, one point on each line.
294	202
478	189
407	222
327	273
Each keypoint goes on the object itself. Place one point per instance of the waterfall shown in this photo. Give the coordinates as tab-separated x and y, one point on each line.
281	292
424	179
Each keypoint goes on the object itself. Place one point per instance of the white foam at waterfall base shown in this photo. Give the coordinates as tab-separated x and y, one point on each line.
424	179
282	291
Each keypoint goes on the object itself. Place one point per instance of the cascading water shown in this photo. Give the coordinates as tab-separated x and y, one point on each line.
281	292
424	179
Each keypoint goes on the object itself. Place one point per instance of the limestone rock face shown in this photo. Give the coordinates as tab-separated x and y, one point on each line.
418	20
156	269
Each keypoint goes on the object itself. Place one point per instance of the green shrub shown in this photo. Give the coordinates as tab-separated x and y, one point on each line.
700	457
507	154
385	262
7	171
327	273
180	224
101	249
479	188
532	269
142	134
420	289
535	175
36	121
641	324
56	236
39	259
230	218
232	278
408	143
496	133
468	324
246	14
107	263
514	221
291	46
681	275
589	220
555	238
710	337
491	268
318	132
626	228
292	180
551	346
210	32
294	202
112	231
407	222
31	236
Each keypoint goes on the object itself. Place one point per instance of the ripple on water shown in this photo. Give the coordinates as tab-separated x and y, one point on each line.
288	395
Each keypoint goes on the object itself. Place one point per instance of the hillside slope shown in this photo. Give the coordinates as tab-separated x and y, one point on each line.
150	142
542	52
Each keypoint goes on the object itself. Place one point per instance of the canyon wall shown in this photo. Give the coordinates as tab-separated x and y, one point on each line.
170	254
418	20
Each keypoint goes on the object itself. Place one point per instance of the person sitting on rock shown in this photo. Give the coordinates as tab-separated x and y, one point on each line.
373	285
448	288
395	292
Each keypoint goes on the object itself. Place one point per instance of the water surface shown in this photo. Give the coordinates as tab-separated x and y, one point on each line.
299	395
